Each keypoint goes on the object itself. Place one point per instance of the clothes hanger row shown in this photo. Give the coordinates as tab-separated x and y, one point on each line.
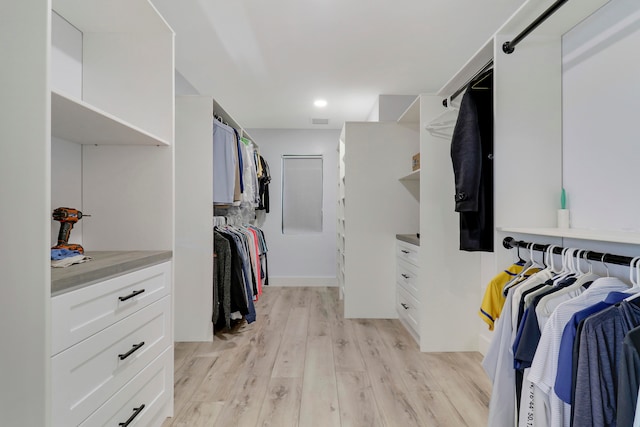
220	119
604	258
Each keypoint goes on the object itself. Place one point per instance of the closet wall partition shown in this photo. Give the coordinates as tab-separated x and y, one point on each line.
449	293
193	257
194	215
376	207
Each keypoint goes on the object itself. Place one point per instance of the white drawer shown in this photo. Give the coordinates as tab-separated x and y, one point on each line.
407	277
407	252
79	314
87	374
408	311
151	388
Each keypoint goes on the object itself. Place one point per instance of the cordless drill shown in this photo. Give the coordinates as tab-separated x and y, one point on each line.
67	217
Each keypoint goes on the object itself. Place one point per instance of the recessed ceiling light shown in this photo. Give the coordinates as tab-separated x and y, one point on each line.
320	103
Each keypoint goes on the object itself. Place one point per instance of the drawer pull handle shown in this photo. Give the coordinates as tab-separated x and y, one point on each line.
404	252
131	295
405	276
135	348
136	411
405	306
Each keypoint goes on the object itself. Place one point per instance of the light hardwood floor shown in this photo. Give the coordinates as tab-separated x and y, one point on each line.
303	364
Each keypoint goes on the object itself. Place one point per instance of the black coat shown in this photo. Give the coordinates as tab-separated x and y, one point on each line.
472	157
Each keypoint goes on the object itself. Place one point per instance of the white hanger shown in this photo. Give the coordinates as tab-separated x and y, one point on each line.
583	277
605	264
443	124
534	263
634	278
551	265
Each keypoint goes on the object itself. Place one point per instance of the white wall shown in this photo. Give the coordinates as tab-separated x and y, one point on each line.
300	259
66	185
66	57
66	77
600	110
390	107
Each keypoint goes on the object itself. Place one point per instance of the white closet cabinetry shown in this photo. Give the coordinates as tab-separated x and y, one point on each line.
105	336
408	287
375	207
102	93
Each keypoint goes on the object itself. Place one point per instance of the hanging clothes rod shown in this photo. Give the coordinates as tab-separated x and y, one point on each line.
510	243
461	89
509	46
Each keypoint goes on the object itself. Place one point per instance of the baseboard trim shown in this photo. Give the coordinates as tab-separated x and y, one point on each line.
483	344
302	281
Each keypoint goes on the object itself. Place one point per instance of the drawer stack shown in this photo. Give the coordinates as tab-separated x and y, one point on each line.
407	286
112	360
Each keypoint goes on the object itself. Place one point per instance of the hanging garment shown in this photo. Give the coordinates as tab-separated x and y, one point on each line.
240	162
600	352
628	378
472	158
498	362
565	378
264	178
249	196
222	298
493	299
224	163
550	410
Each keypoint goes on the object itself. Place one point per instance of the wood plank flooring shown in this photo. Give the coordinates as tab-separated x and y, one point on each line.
302	364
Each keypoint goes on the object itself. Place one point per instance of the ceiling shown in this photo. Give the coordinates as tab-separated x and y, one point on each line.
266	62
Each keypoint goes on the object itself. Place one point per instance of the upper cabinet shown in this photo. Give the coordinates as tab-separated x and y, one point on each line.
112	73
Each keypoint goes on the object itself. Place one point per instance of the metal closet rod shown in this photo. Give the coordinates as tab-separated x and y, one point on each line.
510	243
509	47
464	86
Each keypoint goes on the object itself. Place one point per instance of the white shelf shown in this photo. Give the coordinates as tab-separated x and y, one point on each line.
629	237
77	121
413	176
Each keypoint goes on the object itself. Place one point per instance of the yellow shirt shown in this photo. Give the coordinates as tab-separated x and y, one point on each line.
494	298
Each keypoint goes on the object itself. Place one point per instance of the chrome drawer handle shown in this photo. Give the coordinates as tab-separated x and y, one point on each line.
135	348
136	411
405	276
131	295
404	252
405	306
